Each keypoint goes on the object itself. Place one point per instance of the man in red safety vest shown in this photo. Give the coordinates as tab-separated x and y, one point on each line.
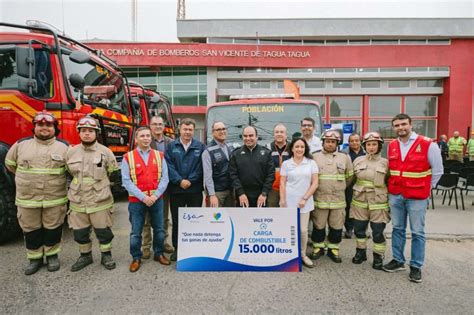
415	166
145	176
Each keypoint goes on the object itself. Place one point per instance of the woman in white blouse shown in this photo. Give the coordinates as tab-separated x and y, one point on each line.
298	182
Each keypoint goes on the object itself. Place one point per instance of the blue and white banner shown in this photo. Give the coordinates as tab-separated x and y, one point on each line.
239	239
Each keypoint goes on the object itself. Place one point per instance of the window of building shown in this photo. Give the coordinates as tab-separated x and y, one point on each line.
426	127
421	106
384	106
384	41
315	84
369	84
342	84
245	41
429	83
398	83
412	41
393	69
291	42
384	127
217	40
259	84
344	70
320	99
270	41
230	84
417	69
367	69
345	106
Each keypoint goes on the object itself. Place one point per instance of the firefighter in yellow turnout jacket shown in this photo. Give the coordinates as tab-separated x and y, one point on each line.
370	200
39	167
91	202
335	173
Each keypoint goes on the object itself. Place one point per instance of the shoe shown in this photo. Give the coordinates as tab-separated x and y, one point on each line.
415	274
83	261
307	262
146	253
377	264
174	256
162	259
107	261
360	256
317	253
334	255
169	249
348	234
33	266
135	265
52	263
393	266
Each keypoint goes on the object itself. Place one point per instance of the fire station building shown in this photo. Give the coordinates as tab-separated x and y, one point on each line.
361	71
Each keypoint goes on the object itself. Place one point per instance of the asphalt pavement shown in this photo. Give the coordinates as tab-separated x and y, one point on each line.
329	288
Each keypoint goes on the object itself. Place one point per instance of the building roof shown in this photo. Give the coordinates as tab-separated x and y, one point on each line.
334	28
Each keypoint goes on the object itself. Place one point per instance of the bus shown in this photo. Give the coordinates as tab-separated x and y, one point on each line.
263	112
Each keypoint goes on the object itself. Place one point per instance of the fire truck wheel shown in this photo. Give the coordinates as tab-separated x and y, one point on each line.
9	227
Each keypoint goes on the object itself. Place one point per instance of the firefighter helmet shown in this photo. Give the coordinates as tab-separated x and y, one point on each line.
44	116
373	136
332	134
87	122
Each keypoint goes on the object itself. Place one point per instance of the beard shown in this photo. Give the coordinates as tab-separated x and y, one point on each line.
44	138
88	143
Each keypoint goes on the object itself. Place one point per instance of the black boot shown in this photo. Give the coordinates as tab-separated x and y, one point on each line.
107	261
33	266
83	261
360	256
52	263
378	262
334	255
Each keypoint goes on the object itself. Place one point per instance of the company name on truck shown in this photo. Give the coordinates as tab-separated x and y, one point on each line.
264	109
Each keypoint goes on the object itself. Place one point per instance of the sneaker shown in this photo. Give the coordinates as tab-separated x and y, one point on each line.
393	266
334	255
415	274
317	253
307	262
52	263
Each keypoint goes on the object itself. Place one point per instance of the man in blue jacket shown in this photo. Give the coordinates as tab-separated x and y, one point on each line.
183	157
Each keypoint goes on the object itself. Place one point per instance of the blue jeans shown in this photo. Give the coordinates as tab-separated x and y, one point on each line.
136	216
401	209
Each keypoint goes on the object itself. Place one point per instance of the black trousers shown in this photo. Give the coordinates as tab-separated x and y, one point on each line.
348	223
193	200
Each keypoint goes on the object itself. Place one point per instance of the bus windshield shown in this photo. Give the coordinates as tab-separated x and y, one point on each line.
264	117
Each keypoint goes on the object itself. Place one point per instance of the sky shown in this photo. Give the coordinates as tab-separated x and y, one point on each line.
111	19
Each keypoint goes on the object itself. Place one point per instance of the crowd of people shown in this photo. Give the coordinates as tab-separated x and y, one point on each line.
332	189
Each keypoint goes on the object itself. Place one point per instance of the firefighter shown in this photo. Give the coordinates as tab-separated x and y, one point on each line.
370	200
91	164
41	194
335	173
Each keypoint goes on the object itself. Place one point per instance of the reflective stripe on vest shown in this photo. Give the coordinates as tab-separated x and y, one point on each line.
10	162
133	169
85	180
371	207
40	203
35	170
332	177
411	174
379	247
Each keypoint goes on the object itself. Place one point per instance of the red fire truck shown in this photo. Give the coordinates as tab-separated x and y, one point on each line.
43	70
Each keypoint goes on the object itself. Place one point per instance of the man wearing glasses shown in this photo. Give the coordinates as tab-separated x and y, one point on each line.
215	163
307	130
159	142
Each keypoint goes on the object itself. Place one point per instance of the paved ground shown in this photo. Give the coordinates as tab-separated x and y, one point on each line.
328	288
